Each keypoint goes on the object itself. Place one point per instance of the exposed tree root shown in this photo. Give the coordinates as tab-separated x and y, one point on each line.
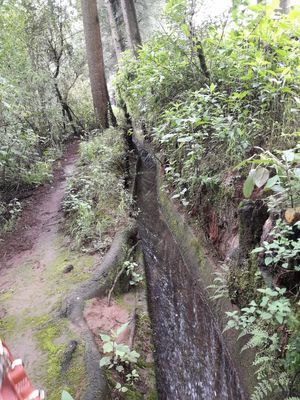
98	286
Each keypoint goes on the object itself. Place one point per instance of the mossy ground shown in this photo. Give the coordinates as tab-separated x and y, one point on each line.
45	336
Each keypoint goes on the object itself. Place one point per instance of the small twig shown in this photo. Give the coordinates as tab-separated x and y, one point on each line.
114	284
133	319
119	274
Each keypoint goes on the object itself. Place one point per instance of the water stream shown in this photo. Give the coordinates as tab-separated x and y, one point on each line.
190	355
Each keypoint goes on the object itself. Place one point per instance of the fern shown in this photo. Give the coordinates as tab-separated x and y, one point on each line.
220	286
264	323
259	337
262	389
292	398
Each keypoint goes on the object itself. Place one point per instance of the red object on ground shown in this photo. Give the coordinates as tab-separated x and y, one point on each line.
15	383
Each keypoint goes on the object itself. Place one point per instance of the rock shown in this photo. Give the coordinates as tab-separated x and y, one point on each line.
68	354
68	268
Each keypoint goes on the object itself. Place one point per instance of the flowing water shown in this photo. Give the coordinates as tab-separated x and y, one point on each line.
191	359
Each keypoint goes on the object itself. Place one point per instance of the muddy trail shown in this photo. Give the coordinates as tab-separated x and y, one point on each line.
40	218
31	279
34	285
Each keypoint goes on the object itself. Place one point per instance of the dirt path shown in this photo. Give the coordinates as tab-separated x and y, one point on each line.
40	215
33	285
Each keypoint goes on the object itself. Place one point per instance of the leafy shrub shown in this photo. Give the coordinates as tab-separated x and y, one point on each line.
119	357
9	214
211	97
283	251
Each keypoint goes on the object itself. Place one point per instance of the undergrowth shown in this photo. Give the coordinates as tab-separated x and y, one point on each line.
96	201
215	99
215	92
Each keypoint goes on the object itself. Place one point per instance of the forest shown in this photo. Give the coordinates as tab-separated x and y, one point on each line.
150	199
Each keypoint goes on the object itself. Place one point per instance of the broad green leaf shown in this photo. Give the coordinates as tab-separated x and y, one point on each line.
185	29
268	260
272	181
104	361
296	172
257	250
108	347
105	338
122	349
248	186
265	315
185	139
260	176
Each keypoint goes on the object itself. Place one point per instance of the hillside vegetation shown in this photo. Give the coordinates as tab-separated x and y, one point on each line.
220	102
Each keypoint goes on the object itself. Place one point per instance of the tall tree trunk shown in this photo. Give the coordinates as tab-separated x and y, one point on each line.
95	61
111	6
284	6
131	24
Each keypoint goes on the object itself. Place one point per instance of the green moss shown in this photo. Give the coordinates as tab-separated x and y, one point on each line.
45	339
7	325
82	266
75	377
133	395
243	281
152	395
6	296
49	338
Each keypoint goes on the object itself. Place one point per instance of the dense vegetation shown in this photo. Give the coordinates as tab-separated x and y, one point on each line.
219	100
96	202
41	93
216	99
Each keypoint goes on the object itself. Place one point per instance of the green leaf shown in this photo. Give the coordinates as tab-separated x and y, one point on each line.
288	155
105	338
121	329
268	260
248	186
66	396
272	181
260	176
104	361
108	347
265	315
185	29
185	139
257	250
